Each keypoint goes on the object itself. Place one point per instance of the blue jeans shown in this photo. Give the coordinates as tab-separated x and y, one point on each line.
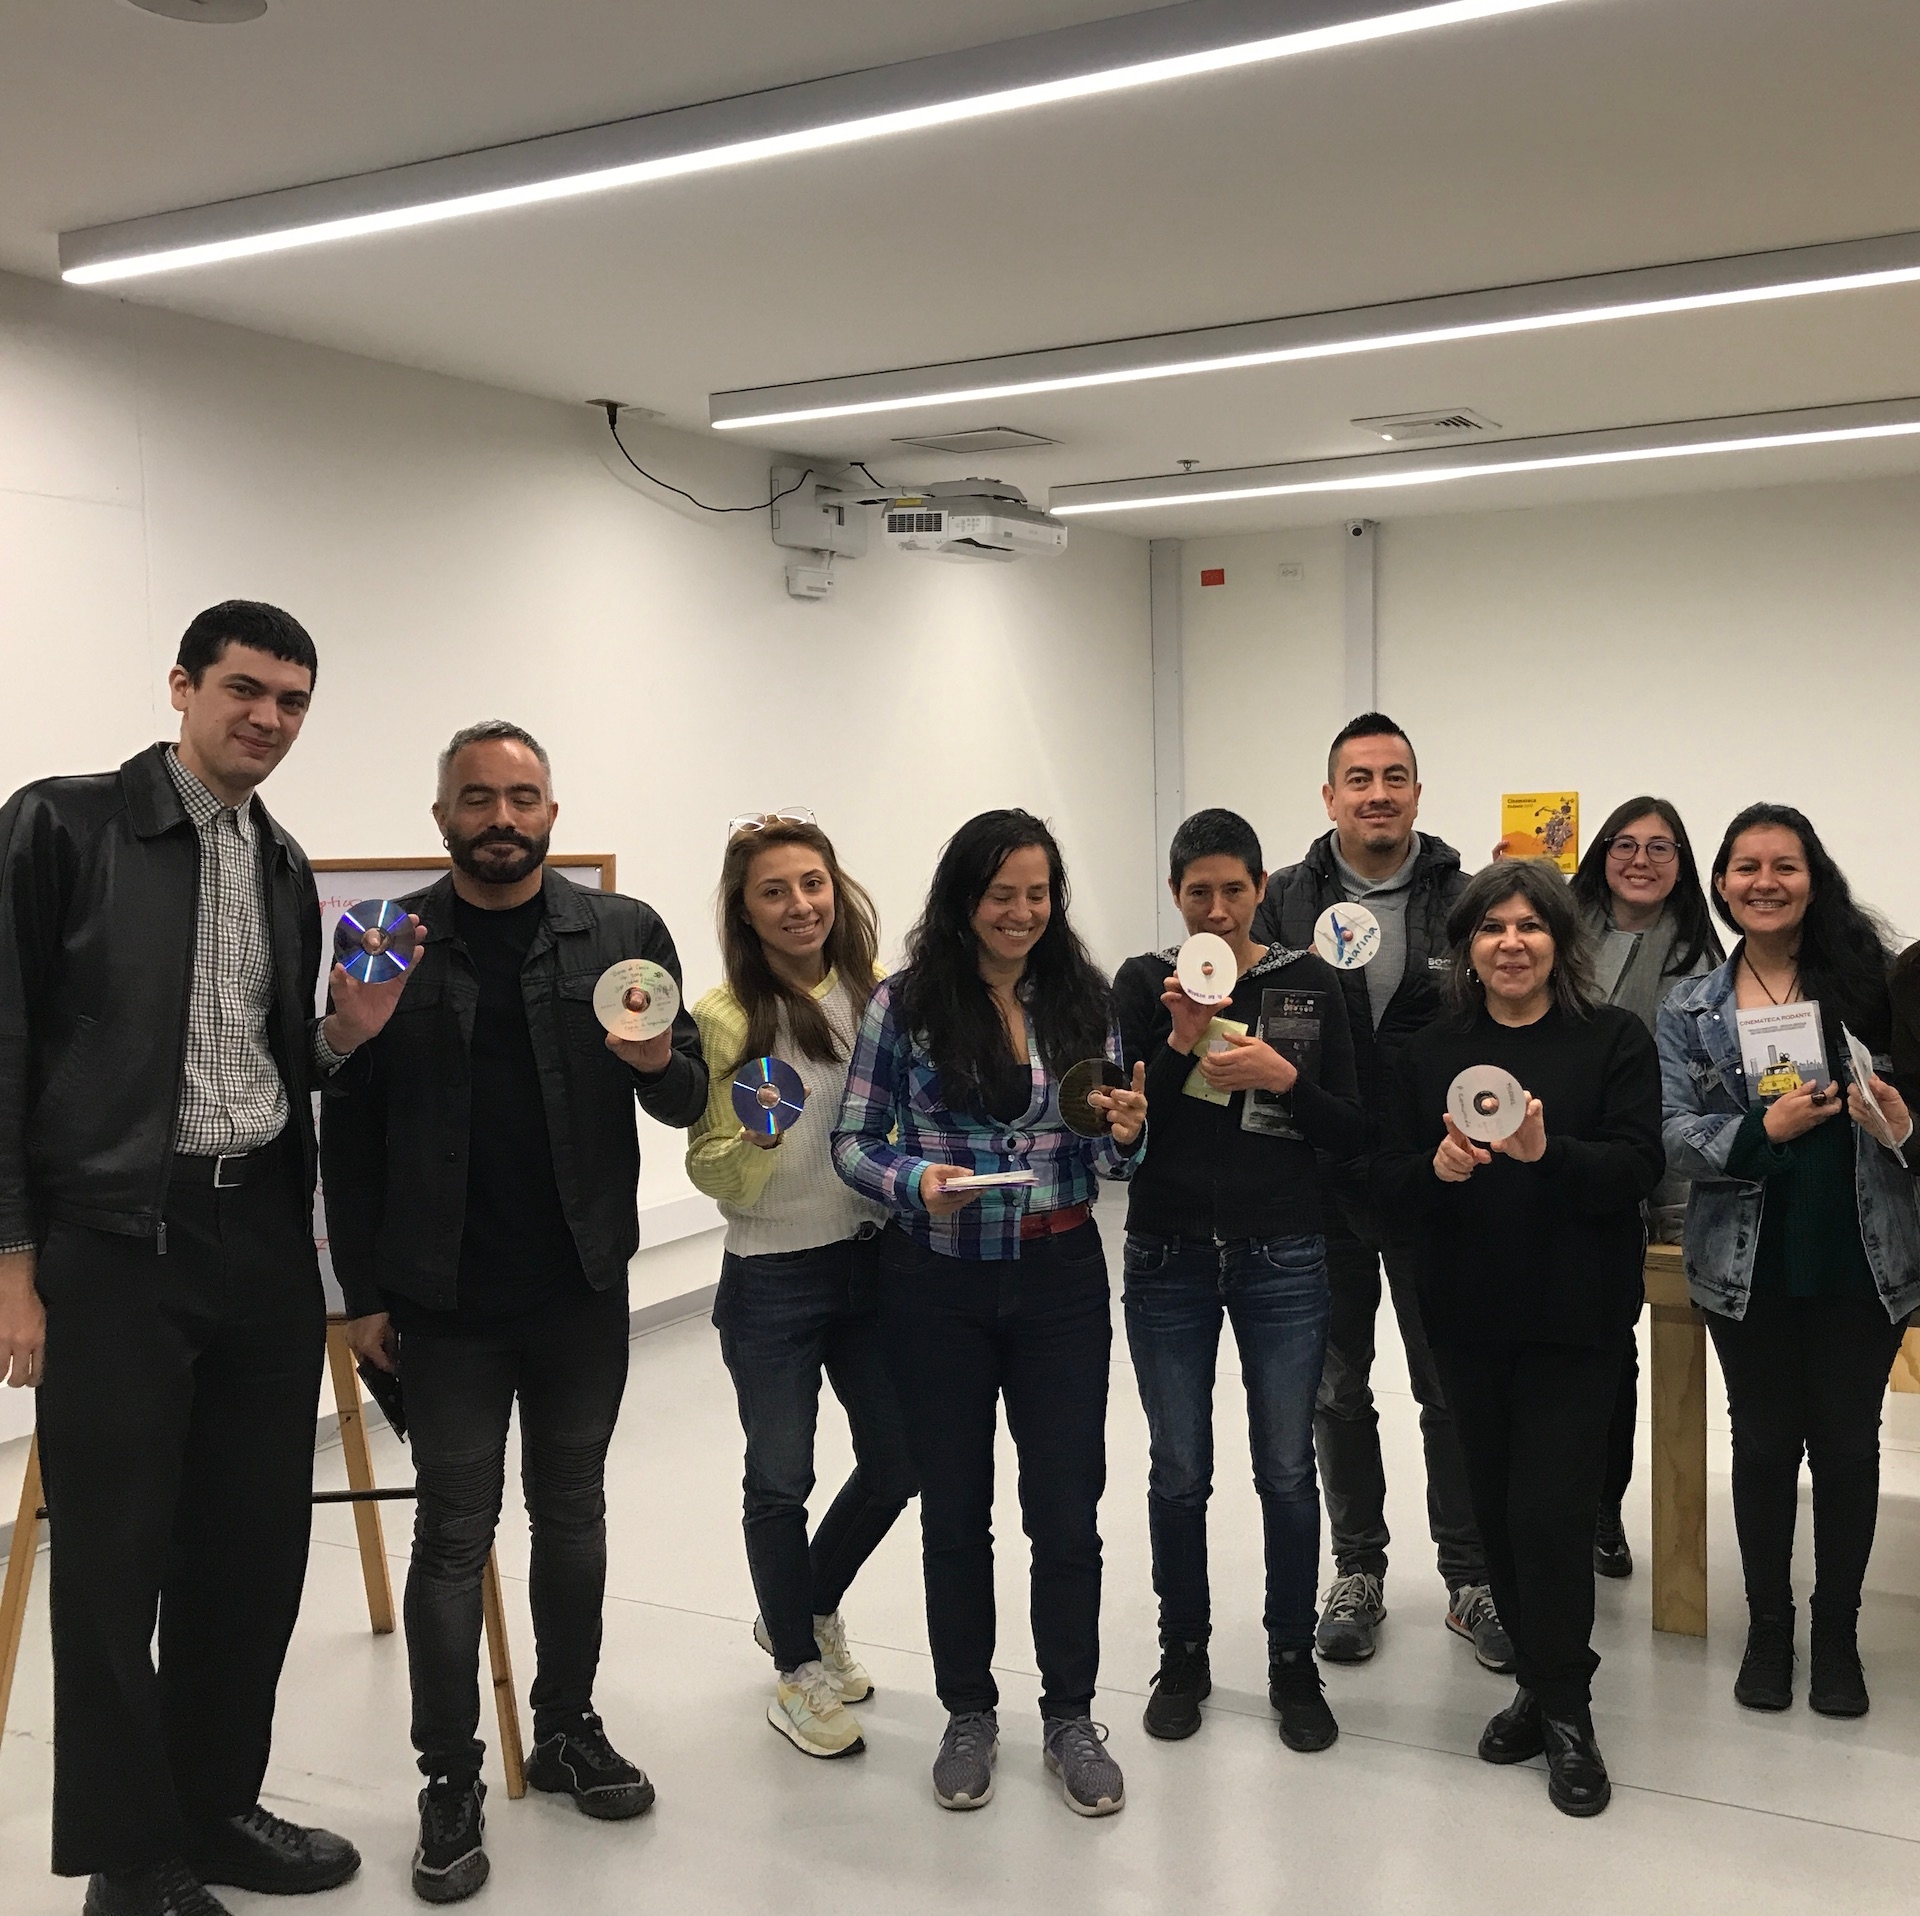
1275	1290
783	1319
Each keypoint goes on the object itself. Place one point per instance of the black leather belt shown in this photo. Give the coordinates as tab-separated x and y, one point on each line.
232	1169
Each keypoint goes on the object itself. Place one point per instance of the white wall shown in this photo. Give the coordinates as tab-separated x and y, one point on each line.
460	552
1715	650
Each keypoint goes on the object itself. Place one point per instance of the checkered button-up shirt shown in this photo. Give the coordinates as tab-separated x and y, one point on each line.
894	1122
231	1095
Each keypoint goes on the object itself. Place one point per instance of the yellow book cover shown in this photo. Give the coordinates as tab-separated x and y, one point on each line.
1541	825
1214	1038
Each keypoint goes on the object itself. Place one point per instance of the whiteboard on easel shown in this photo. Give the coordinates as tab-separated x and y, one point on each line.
344	882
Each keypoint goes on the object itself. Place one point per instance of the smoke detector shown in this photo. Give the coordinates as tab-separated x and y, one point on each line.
1398	429
211	13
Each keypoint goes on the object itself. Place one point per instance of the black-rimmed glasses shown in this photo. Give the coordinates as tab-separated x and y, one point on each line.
1659	851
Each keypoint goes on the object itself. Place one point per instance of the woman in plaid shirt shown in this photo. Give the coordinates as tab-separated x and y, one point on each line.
984	1293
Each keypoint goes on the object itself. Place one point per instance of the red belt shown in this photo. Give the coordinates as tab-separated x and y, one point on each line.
1054	1223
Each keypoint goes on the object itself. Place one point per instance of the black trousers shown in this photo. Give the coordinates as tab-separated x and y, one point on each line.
962	1333
568	1368
1533	1423
176	1437
1346	1426
1806	1378
1626	1413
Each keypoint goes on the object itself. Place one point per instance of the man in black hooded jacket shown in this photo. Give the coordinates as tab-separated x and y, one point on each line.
1374	857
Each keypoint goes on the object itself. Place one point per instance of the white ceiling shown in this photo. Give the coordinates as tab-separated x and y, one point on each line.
1606	134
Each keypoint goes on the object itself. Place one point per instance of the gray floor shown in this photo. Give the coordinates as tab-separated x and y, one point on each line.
1714	1809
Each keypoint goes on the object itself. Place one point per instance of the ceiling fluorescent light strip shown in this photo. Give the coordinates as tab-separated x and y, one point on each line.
1072	63
1543	306
1684	439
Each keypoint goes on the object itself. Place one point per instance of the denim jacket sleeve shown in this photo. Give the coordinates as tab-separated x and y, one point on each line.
1701	1112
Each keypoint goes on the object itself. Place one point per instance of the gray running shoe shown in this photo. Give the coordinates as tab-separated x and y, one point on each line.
963	1771
1090	1779
1352	1610
1471	1615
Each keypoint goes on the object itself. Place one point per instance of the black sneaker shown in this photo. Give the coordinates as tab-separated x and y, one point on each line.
1184	1681
1765	1681
1836	1684
1294	1689
449	1866
1612	1554
579	1762
156	1889
266	1853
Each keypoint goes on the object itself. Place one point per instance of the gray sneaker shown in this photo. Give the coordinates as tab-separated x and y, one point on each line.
1471	1614
963	1771
1352	1610
1090	1779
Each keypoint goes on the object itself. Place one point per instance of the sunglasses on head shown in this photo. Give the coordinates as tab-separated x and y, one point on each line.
763	821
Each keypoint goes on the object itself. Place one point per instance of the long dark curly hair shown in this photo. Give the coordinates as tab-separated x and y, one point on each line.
1693	933
1845	948
943	998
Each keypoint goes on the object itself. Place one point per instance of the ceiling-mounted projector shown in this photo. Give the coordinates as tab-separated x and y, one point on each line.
969	519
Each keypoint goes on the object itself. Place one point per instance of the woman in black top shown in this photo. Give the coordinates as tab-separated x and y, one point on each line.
1530	1256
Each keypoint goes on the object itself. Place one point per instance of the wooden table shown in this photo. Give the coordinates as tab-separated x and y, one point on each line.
1679	1369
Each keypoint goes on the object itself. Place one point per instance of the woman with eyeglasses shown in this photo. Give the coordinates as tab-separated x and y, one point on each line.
796	1298
999	1292
1802	1236
1640	897
1530	1271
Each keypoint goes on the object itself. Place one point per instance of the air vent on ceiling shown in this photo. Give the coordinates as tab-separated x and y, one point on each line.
1399	428
979	439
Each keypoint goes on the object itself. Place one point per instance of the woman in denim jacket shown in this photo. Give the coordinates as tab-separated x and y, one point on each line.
1802	1239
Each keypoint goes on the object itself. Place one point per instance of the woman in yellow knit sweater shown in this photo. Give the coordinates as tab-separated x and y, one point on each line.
796	1297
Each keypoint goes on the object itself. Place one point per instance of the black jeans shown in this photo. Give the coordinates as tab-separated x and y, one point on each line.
1533	1427
1346	1426
1806	1377
568	1367
1037	1329
1626	1413
1275	1291
783	1319
176	1435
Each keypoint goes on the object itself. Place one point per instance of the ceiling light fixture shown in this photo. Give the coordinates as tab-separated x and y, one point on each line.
1688	286
1071	63
1375	472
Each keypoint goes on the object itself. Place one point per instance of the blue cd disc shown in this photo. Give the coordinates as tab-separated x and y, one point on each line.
768	1096
370	942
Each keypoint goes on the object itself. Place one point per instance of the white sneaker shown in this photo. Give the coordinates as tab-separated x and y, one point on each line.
844	1670
808	1714
851	1683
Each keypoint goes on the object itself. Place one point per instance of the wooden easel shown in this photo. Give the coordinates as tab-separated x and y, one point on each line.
366	1499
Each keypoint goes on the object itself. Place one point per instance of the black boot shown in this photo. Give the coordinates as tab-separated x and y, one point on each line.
1765	1681
1295	1690
1836	1684
1577	1782
1183	1682
1515	1734
156	1889
1612	1555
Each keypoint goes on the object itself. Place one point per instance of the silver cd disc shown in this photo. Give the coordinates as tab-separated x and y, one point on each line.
768	1096
636	998
1207	969
372	943
1076	1112
1487	1103
1347	936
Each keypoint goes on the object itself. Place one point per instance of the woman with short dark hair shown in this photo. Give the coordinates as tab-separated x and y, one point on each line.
1530	1251
1803	1236
1639	893
1003	1291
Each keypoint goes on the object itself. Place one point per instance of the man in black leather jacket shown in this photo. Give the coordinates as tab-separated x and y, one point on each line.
481	1162
159	952
1409	881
